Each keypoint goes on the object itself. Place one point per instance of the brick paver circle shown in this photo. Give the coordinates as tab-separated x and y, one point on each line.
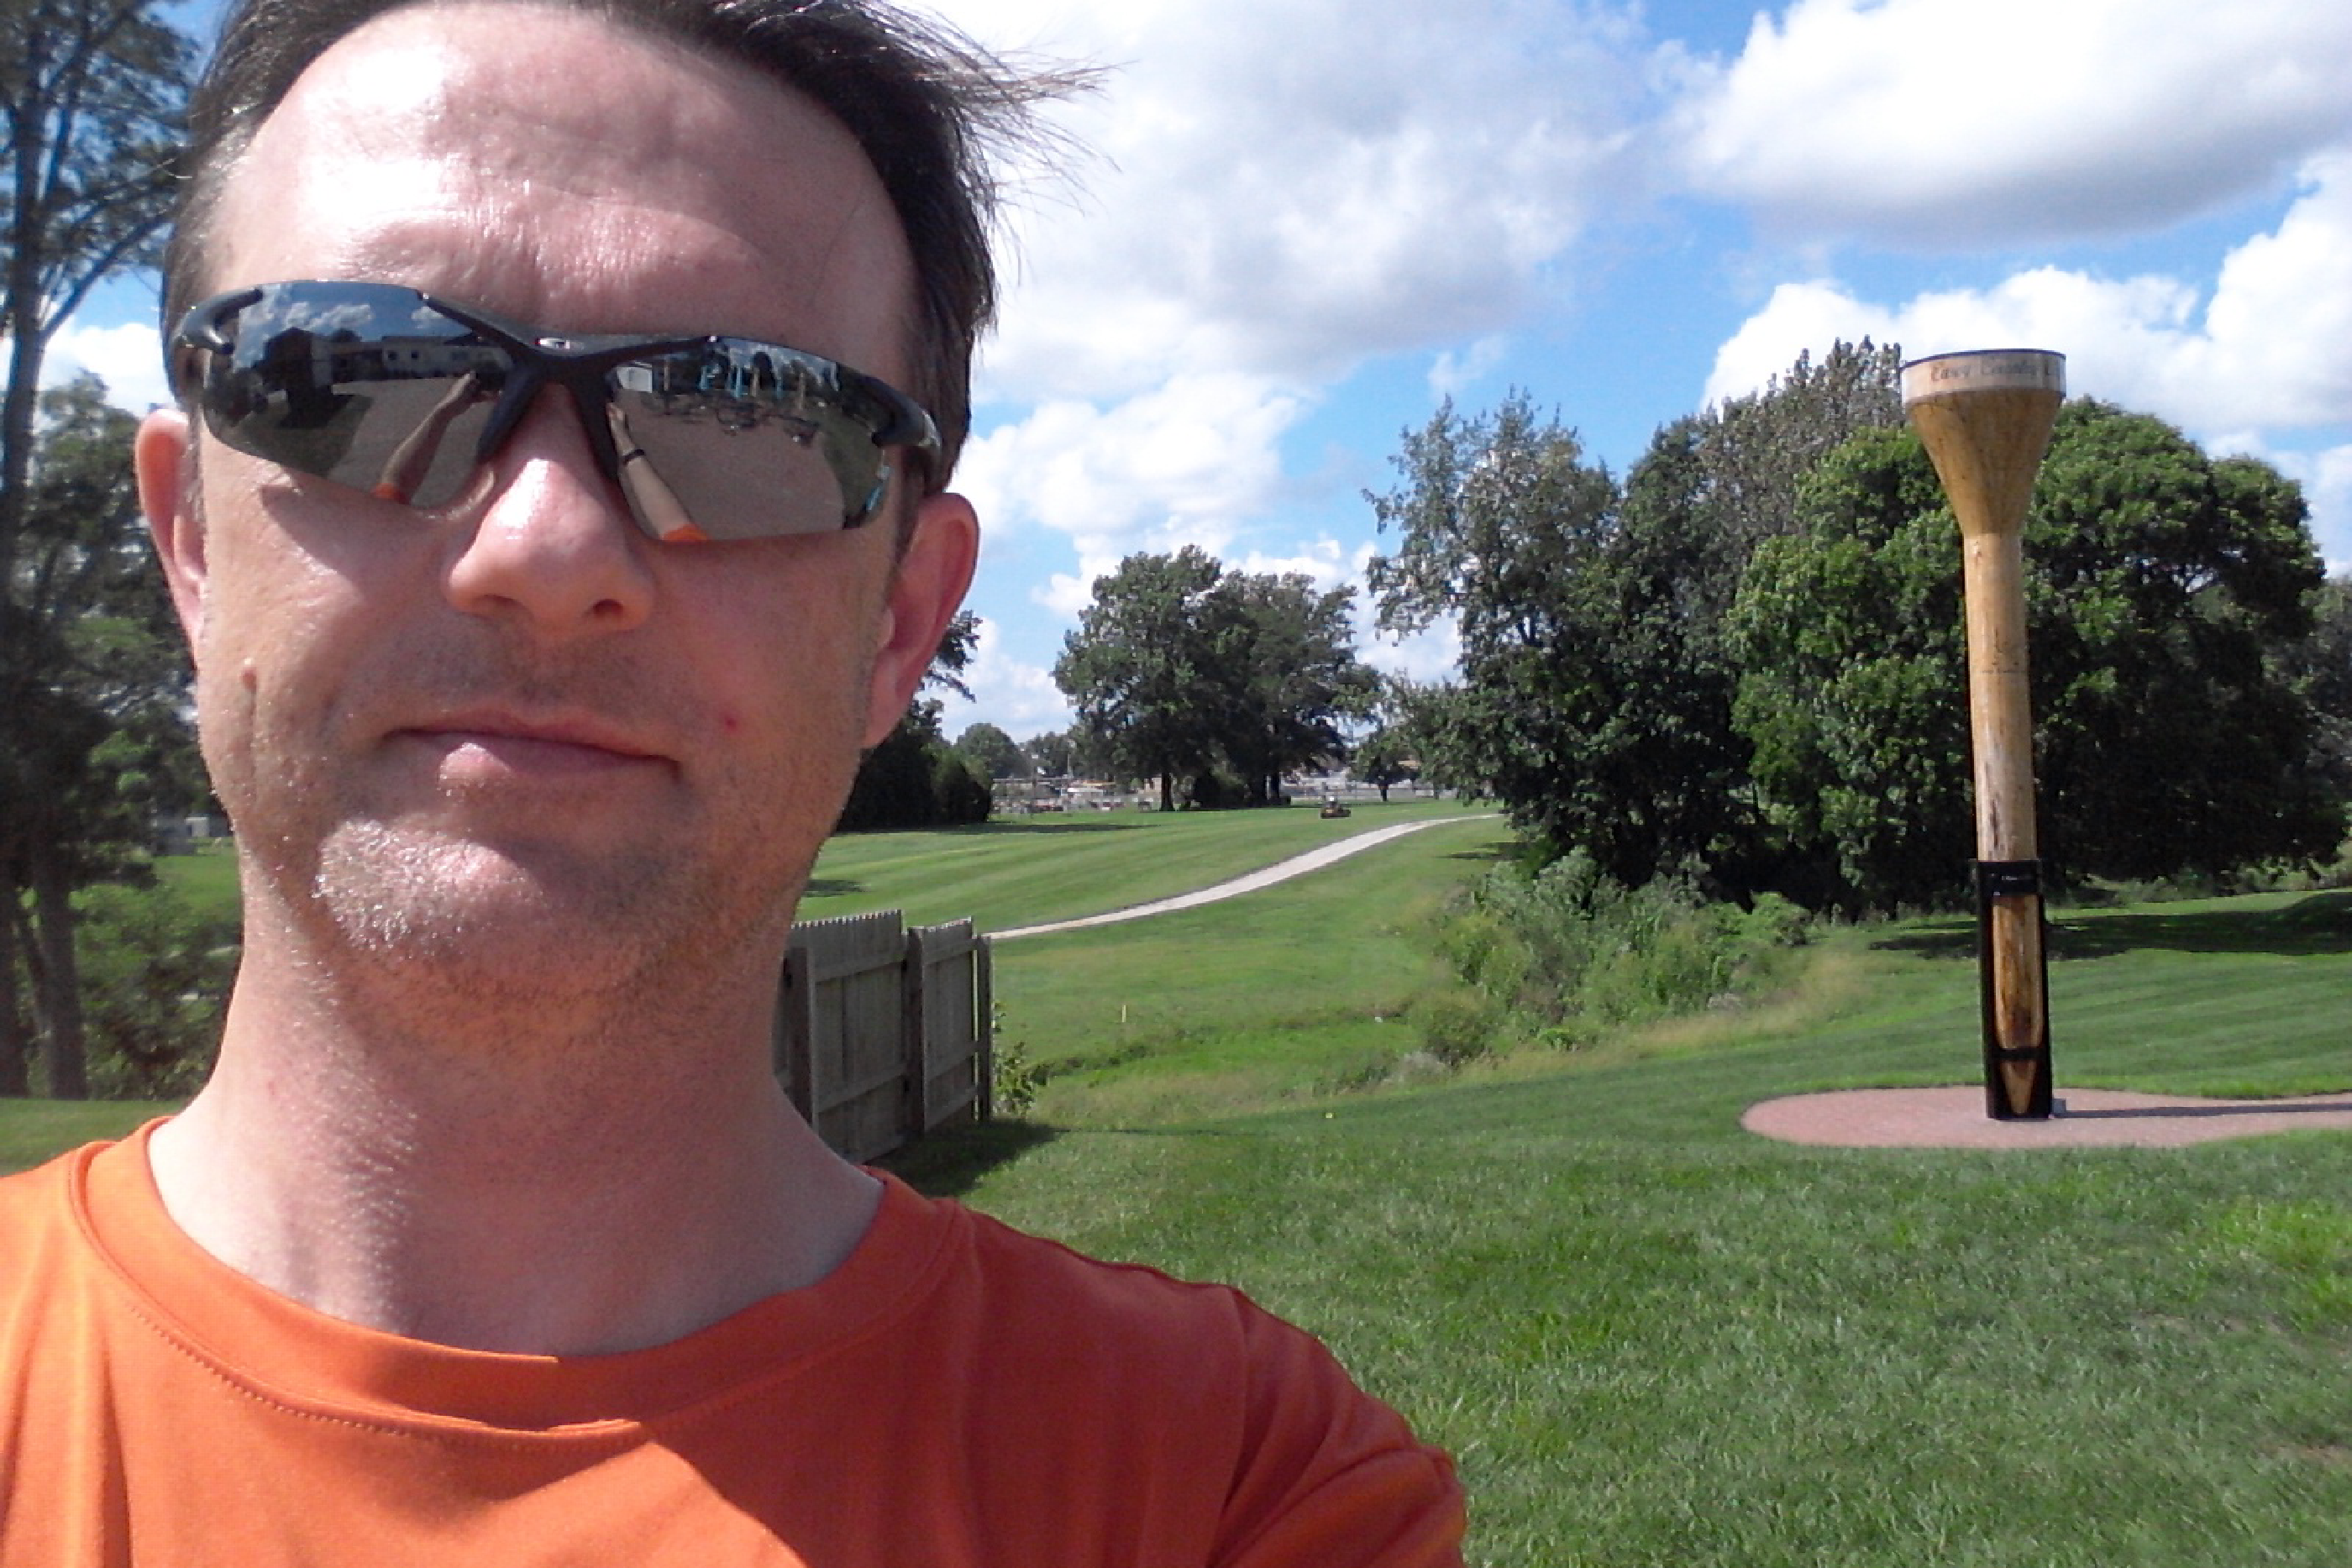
1953	1117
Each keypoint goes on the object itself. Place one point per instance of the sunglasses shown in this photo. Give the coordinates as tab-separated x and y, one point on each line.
392	392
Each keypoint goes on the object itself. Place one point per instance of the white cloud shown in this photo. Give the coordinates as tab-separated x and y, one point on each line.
1324	563
1186	464
2263	346
2278	334
1433	653
1450	377
126	357
1978	123
1019	698
1286	188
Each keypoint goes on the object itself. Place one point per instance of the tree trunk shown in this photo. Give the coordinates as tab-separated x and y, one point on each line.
15	1081
59	977
1166	790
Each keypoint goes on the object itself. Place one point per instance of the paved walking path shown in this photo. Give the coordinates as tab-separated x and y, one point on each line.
1281	870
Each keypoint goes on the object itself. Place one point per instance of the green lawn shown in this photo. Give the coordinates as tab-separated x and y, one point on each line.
33	1130
1026	871
207	880
1654	1339
1649	1337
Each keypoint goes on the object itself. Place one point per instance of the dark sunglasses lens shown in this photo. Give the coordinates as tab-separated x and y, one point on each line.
746	441
364	384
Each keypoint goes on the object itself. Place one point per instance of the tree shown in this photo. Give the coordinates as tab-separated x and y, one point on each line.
1596	697
1847	638
2167	594
993	751
1755	451
914	778
2324	667
91	92
959	645
1182	669
1385	758
1051	755
1287	656
1138	668
1571	659
93	738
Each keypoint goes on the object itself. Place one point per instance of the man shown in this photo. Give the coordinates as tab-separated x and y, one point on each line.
491	1240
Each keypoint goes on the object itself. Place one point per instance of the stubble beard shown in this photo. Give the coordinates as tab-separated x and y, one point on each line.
456	932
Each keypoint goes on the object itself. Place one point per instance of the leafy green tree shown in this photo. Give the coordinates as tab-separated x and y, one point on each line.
1596	699
1755	451
1385	759
2324	666
1052	755
90	93
1140	667
2177	588
155	981
91	99
2167	594
993	752
914	778
1848	638
1573	628
93	740
1286	657
1181	669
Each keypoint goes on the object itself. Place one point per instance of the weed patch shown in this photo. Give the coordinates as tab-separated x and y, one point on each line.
1564	954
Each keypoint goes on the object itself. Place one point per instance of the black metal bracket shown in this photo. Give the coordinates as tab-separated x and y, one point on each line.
2012	879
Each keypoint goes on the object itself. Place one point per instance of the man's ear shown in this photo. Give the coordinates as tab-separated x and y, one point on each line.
933	571
164	458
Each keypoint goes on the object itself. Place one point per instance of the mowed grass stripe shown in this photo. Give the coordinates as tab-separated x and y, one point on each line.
1011	874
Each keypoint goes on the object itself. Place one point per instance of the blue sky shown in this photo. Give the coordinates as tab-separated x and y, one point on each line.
1303	222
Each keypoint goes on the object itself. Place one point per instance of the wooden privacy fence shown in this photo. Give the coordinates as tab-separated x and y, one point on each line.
882	1033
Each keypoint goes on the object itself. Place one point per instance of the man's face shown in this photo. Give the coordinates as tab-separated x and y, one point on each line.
515	742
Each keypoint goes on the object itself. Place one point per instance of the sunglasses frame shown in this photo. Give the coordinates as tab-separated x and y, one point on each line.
580	364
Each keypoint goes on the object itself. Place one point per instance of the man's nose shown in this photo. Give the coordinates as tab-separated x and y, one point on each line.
554	546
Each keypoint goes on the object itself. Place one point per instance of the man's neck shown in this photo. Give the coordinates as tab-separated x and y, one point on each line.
564	1190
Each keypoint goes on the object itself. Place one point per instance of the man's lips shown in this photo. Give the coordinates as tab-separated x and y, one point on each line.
508	743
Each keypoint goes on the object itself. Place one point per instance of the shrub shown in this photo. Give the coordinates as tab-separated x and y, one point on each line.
1458	1027
1013	1079
154	981
1563	952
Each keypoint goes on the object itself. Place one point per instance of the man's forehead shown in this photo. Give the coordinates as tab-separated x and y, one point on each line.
569	154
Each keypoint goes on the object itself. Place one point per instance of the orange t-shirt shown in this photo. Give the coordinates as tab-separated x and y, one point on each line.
955	1396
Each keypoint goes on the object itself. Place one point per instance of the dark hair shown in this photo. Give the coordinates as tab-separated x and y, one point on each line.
934	112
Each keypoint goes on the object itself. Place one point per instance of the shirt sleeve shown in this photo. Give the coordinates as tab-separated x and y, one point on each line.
1332	1477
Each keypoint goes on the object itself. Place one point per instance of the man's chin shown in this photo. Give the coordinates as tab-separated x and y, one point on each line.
534	918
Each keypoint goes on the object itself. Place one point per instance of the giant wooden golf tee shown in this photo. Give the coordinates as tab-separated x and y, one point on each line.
1986	418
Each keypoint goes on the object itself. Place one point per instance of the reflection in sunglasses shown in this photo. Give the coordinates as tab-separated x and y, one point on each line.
386	390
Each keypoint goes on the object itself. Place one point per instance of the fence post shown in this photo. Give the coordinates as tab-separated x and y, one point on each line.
795	1033
912	1042
983	1001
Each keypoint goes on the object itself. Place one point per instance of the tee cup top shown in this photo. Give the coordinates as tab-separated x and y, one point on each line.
1986	418
1984	370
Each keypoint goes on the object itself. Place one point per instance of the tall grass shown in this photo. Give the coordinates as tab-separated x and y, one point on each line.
1562	956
